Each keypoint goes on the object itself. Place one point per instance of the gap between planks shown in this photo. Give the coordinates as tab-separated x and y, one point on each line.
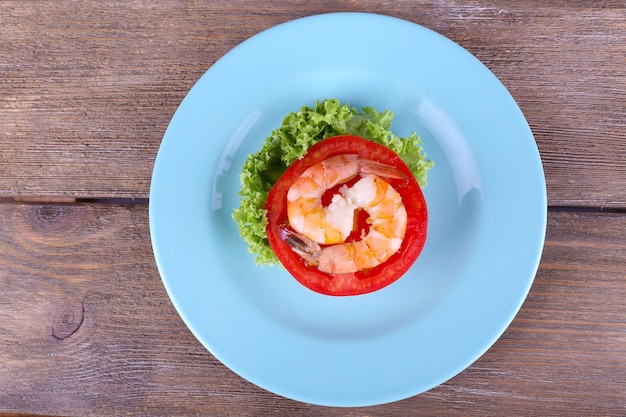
72	200
145	201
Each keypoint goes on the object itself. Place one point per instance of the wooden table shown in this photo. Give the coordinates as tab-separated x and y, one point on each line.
87	89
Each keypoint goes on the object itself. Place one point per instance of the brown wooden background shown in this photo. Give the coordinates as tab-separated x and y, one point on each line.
87	89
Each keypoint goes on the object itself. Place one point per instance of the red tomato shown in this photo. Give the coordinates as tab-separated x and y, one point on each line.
360	282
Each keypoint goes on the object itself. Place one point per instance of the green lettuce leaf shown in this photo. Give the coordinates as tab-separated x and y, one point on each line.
299	131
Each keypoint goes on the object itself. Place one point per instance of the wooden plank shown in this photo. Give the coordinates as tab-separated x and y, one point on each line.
86	328
87	88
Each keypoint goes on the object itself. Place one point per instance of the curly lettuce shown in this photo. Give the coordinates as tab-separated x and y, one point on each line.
299	131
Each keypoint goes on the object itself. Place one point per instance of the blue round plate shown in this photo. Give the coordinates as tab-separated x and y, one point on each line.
486	198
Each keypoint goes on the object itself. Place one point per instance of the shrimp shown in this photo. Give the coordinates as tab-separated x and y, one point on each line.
319	233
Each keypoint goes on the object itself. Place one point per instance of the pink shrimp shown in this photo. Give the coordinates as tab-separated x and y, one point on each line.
319	233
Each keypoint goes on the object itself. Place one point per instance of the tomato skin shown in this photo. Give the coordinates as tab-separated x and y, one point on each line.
360	282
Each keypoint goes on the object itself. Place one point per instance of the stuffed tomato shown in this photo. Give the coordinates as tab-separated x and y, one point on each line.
348	218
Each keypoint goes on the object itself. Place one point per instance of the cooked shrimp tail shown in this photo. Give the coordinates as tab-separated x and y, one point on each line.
383	170
302	245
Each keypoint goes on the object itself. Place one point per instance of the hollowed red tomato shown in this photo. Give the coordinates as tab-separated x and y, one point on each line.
359	282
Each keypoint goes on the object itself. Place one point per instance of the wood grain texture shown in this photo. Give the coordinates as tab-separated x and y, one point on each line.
87	88
88	329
